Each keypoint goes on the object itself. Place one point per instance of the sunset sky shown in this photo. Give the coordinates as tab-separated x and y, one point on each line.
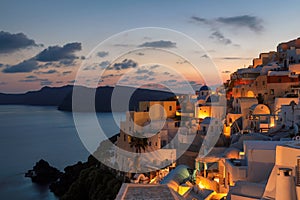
45	42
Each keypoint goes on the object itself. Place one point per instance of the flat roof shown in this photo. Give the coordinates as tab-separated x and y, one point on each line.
130	191
262	144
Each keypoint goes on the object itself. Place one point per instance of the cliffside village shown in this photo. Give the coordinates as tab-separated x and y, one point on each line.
240	142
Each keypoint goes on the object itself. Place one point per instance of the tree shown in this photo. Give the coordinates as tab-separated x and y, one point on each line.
139	142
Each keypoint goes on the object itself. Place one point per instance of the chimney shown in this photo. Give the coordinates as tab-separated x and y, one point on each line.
285	185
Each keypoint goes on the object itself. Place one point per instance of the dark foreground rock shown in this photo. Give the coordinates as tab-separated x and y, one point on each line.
87	181
82	181
43	173
94	183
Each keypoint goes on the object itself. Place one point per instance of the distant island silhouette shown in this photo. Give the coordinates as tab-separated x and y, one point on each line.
62	97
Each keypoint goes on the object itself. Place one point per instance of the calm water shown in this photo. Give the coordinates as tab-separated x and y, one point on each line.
29	133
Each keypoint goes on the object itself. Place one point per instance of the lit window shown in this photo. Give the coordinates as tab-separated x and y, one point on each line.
298	172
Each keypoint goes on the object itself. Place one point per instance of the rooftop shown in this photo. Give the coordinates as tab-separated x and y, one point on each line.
131	191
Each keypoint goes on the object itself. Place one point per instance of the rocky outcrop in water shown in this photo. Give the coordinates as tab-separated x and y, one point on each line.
43	173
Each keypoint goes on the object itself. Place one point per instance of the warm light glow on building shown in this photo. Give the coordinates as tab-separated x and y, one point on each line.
201	186
226	131
153	180
183	189
272	122
217	179
203	115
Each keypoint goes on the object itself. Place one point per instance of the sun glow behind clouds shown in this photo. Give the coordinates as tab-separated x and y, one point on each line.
163	58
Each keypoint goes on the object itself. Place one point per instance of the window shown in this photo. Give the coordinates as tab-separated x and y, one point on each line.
150	144
170	108
129	138
230	120
155	143
279	80
263	83
298	172
124	137
272	91
147	108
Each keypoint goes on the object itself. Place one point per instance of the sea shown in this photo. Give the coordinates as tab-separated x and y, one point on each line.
31	133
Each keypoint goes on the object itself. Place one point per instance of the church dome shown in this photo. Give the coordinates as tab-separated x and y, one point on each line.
204	88
284	46
297	43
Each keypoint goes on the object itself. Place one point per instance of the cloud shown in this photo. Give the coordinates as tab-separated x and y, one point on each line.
67	62
182	62
251	22
43	83
145	71
102	54
220	37
22	67
235	58
66	72
104	64
241	21
13	42
52	54
159	44
125	64
201	20
51	71
142	71
140	54
57	53
144	77
226	72
254	23
3	83
204	56
90	68
107	76
30	79
154	66
123	45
